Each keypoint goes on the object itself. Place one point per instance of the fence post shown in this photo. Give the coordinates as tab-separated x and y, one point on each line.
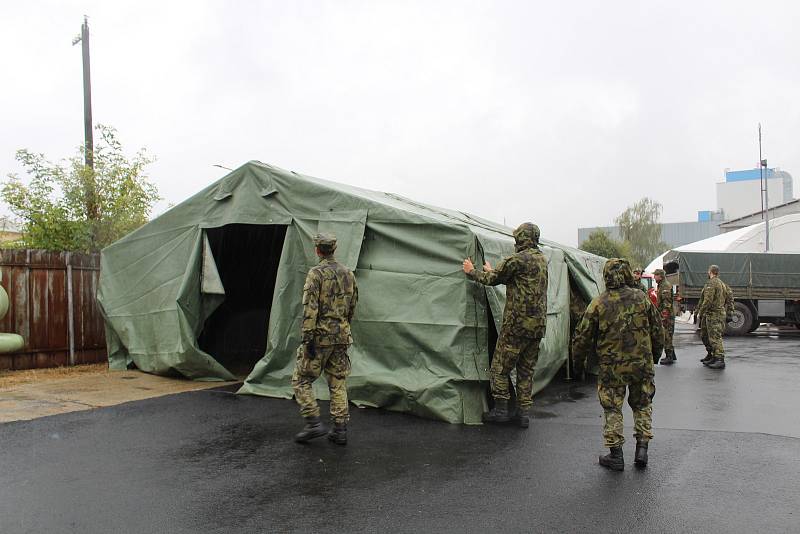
70	311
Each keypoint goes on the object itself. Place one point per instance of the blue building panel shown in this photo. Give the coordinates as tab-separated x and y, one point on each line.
704	216
749	174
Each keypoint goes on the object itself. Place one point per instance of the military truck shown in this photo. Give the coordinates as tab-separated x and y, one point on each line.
766	285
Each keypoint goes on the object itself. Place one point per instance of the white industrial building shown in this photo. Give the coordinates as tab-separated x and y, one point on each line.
738	205
740	193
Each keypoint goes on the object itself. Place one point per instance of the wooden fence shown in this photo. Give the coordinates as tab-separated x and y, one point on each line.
53	307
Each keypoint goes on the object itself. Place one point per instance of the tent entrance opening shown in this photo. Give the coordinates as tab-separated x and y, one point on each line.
247	258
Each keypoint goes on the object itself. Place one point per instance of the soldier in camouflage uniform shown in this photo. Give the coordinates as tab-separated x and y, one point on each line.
637	280
664	305
712	313
330	295
524	274
622	330
704	331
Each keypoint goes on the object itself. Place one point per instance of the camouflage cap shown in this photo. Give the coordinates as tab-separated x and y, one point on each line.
617	273
660	272
325	239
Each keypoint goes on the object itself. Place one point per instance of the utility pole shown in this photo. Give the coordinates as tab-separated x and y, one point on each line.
87	94
762	164
92	210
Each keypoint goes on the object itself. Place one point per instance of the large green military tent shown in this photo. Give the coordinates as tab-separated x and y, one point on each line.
212	290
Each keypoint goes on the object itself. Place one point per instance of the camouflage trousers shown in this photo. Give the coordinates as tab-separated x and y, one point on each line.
669	330
711	329
640	399
335	362
704	335
514	352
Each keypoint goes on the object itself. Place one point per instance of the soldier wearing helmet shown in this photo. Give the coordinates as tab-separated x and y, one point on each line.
330	295
524	274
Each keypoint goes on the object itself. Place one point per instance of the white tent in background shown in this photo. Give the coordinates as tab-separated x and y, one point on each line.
784	236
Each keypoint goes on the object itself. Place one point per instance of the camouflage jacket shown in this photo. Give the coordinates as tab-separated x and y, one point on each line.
728	299
712	299
524	274
330	295
622	331
665	297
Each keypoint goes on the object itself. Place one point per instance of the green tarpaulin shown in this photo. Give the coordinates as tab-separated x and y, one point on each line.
212	289
756	270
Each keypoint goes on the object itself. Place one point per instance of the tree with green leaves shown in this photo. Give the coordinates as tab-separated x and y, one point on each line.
70	206
640	227
601	243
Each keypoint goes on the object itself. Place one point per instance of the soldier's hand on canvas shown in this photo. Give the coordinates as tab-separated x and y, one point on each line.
487	267
468	266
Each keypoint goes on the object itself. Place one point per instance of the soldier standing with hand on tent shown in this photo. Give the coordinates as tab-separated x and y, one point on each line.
622	328
524	274
329	300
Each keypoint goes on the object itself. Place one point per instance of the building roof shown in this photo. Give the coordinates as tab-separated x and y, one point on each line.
759	212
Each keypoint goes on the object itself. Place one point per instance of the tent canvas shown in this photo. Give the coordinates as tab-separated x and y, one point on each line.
212	288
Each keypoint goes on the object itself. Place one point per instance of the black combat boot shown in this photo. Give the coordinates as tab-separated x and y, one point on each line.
613	460
338	434
521	417
498	414
313	429
640	460
673	356
667	360
707	359
718	363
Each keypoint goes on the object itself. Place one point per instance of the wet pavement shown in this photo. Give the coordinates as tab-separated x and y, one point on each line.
726	458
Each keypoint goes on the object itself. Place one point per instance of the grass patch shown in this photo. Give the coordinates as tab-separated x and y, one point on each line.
27	376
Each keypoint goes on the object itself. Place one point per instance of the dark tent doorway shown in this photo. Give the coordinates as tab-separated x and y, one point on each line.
247	258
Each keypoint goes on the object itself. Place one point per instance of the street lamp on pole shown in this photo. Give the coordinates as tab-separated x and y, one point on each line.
762	166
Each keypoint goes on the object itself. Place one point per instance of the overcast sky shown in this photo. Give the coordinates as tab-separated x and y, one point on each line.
562	113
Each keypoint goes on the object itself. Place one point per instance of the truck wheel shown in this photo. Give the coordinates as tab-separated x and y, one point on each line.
742	320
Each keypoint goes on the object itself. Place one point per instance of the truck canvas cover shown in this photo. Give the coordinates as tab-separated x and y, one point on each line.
755	270
212	290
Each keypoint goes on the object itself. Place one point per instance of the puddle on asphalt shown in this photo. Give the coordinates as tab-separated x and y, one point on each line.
539	414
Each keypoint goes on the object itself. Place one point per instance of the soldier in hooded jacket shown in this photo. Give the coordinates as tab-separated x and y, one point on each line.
524	274
330	296
621	329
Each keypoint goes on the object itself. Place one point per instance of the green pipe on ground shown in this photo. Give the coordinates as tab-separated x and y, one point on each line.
8	342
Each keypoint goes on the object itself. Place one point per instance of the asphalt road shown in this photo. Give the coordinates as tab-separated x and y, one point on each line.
726	458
